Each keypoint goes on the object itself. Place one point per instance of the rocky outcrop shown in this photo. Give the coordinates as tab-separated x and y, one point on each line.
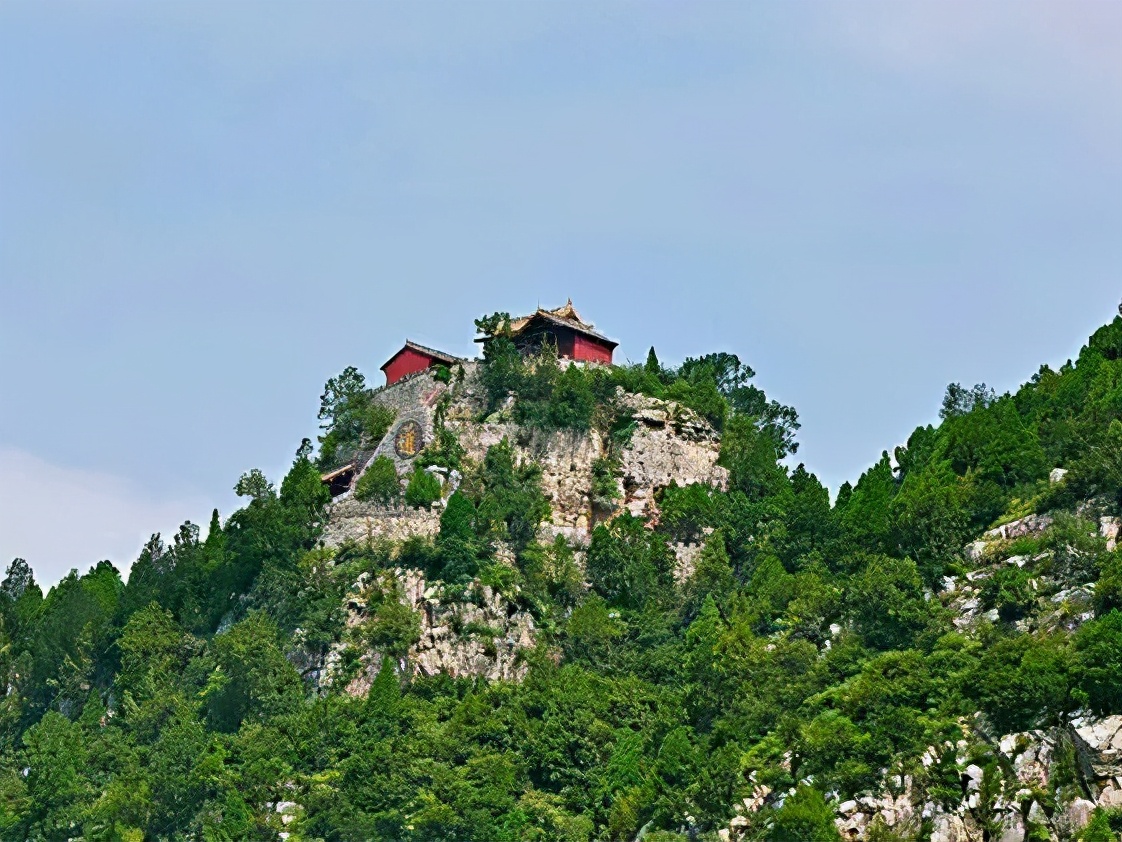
685	559
1043	782
1061	595
1030	525
1099	744
1109	528
565	459
671	444
479	634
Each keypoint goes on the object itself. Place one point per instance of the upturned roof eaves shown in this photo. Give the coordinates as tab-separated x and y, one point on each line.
518	325
579	327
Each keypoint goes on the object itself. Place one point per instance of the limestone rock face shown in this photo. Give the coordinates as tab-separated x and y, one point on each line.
481	635
1099	743
489	644
1030	525
565	459
1027	768
685	560
1109	528
671	444
1030	754
948	827
1078	814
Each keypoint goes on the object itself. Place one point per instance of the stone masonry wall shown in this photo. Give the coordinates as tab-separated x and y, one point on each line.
353	520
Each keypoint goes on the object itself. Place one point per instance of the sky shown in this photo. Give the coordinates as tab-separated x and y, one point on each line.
207	209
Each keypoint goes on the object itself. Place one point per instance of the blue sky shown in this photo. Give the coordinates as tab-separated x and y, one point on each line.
207	209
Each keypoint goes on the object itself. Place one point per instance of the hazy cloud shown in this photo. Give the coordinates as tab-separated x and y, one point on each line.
59	518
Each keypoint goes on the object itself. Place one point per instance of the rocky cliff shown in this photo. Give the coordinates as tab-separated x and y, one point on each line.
668	444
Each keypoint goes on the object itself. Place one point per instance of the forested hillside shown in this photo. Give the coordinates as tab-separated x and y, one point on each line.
956	610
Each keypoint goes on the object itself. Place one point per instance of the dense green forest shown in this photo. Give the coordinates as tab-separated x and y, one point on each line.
812	649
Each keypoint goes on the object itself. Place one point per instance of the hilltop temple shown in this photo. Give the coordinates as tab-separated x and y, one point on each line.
574	338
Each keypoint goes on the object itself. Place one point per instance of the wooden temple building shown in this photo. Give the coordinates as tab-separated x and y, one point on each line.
574	338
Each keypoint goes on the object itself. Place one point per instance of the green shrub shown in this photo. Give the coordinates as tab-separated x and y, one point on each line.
501	371
605	491
500	577
572	404
591	630
423	488
1009	590
803	817
1022	681
552	573
1099	647
1076	551
1108	590
628	564
685	512
1025	545
546	397
1104	826
350	418
930	520
886	602
379	483
511	504
376	421
393	627
445	450
712	576
456	543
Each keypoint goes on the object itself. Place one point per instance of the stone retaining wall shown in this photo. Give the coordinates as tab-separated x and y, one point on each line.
354	520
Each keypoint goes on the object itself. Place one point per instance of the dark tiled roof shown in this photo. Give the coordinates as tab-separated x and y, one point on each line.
439	356
565	316
579	327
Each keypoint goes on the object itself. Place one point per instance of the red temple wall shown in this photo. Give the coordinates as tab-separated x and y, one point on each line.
405	363
589	350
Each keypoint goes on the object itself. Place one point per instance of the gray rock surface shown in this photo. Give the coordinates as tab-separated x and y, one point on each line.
671	444
481	635
1099	743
